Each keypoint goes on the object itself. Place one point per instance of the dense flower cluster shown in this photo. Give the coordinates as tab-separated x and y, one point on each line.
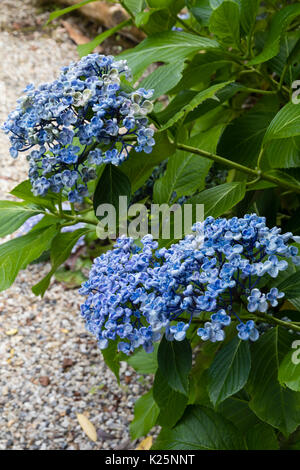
77	122
136	292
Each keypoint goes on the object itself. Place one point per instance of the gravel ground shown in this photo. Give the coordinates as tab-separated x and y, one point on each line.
51	368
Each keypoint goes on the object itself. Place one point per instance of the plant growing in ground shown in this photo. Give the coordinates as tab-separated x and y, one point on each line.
217	312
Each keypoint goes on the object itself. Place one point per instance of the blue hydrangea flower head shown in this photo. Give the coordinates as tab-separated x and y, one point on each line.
77	122
137	292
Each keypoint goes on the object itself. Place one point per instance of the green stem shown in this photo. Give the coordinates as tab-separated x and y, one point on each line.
237	166
285	68
261	92
277	321
74	218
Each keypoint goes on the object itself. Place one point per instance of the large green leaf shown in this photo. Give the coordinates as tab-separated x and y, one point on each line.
277	406
175	362
194	102
289	370
171	403
112	184
229	371
286	123
261	437
13	215
61	249
163	79
279	23
185	174
200	429
224	23
139	165
145	415
220	199
16	254
170	46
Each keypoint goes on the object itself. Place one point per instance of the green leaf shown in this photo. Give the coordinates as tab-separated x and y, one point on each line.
201	67
64	11
171	403
144	363
272	403
180	100
175	362
261	437
294	54
286	123
289	370
224	23
287	60
291	286
211	110
185	174
194	102
169	47
13	215
112	184
249	11
279	23
61	249
219	199
201	10
229	371
200	429
24	191
155	20
242	138
238	412
163	79
140	165
160	3
16	254
112	358
85	49
145	415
